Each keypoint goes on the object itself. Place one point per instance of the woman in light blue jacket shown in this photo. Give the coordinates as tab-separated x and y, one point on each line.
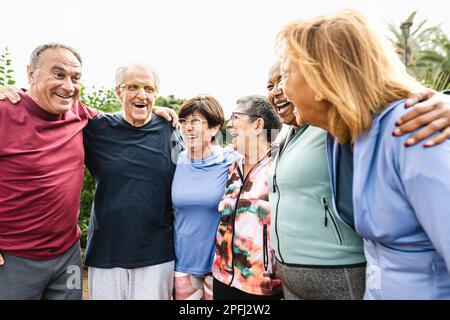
340	78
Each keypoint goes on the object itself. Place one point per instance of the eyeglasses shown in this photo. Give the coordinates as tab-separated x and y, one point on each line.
195	122
234	113
132	87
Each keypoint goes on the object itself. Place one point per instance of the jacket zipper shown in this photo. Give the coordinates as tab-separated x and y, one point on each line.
276	189
265	251
328	213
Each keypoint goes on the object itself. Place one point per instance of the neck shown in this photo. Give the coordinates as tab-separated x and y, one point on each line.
137	123
256	151
33	97
196	153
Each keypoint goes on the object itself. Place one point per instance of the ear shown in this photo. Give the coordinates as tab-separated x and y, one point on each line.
118	93
259	125
30	74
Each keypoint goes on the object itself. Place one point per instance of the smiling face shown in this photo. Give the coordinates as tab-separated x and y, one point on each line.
276	97
55	81
137	94
243	128
308	109
196	132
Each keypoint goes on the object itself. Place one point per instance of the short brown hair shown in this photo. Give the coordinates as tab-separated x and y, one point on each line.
208	106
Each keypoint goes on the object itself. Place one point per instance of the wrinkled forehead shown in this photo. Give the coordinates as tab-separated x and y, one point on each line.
61	58
274	71
139	76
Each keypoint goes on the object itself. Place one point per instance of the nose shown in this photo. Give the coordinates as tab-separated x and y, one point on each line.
68	85
277	90
189	126
141	93
230	123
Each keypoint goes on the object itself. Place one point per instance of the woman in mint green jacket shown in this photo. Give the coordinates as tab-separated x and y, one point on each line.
318	256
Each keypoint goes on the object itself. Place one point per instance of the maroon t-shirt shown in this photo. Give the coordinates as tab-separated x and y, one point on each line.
41	176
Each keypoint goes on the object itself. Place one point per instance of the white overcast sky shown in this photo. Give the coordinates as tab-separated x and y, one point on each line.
222	48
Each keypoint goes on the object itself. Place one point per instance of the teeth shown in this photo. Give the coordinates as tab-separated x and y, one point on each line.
283	104
62	96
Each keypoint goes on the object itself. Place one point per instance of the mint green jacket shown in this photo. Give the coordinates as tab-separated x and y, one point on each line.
304	229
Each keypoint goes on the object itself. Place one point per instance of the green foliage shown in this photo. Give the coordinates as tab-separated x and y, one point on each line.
6	70
169	102
436	80
427	51
87	196
100	99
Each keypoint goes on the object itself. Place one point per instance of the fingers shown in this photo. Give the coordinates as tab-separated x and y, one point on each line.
416	97
2	261
419	109
169	114
174	116
9	93
444	135
427	131
422	119
161	111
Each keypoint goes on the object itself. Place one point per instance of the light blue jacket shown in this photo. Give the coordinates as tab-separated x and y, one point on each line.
401	199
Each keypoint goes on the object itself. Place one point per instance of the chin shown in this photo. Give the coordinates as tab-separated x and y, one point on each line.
62	109
192	146
288	119
140	117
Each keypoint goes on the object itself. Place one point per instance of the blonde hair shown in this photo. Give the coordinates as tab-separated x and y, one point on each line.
345	63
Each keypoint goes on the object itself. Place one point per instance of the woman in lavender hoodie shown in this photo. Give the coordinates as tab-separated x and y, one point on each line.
340	78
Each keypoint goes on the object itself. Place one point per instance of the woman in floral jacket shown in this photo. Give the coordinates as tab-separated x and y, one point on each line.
243	266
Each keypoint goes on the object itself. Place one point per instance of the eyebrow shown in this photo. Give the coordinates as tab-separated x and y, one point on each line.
57	68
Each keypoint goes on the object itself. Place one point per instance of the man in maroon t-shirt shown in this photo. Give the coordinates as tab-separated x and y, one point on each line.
41	176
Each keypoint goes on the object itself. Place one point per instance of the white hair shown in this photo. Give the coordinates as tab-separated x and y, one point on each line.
121	72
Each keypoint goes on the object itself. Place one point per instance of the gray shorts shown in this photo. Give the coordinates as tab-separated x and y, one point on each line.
302	283
55	279
146	283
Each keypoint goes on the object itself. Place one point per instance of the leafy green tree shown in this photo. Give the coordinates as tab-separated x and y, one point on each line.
6	70
427	51
169	102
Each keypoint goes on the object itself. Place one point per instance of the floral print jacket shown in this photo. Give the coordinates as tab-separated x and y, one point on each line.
244	259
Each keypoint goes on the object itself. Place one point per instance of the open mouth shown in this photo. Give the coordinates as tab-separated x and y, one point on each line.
62	96
139	105
283	107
